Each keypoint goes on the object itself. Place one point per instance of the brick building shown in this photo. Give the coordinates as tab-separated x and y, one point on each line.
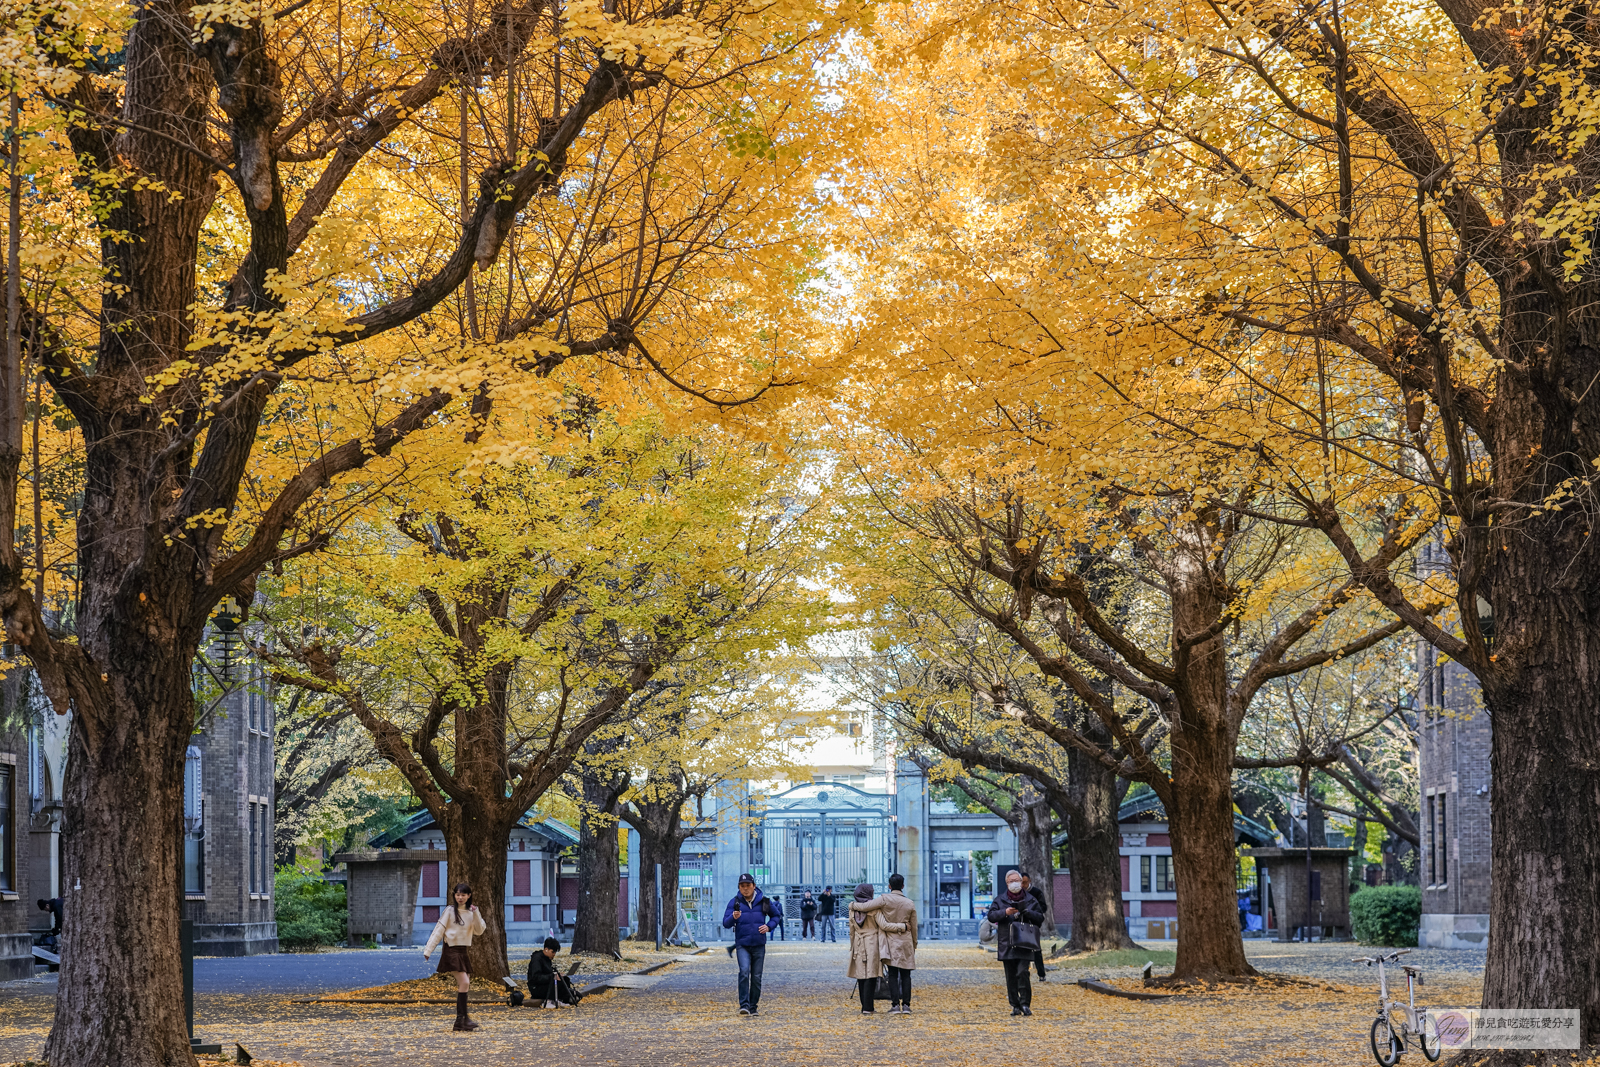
1453	750
228	801
16	903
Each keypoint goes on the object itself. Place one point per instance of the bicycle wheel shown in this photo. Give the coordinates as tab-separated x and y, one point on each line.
1385	1045
1428	1037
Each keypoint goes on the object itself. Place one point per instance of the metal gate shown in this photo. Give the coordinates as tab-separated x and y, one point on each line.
823	834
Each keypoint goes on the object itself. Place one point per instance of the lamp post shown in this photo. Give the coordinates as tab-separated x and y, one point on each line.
228	619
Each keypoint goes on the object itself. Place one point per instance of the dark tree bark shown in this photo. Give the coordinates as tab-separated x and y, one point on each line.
1095	843
659	824
153	567
599	868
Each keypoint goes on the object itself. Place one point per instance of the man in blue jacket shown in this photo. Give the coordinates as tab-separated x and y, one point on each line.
750	914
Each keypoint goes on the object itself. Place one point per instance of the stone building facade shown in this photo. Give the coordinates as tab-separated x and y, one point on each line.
228	814
1453	748
17	906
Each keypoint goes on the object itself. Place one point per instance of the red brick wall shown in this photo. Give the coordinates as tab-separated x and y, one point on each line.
1061	901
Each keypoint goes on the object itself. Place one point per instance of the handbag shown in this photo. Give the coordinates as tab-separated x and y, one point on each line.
1025	935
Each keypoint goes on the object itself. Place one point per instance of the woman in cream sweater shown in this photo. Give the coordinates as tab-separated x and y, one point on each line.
456	927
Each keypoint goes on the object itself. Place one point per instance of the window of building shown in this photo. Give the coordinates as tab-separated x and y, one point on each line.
36	757
1165	883
430	880
254	874
1144	874
1432	840
8	833
522	878
1444	840
194	878
266	849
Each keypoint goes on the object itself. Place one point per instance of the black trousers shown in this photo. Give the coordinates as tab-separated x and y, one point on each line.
1019	984
807	928
867	987
1038	959
899	979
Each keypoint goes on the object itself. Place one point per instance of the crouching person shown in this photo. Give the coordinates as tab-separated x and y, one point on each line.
544	979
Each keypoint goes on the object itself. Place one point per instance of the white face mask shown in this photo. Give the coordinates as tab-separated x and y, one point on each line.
1014	887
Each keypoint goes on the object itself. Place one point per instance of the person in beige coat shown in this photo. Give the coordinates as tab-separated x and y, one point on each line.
897	909
869	948
456	927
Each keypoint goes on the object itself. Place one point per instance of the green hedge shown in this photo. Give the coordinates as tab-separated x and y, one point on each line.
1386	915
310	912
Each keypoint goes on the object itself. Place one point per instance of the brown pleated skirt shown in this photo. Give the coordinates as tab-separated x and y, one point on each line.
453	959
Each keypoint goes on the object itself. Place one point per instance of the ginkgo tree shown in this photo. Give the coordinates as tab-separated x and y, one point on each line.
489	631
1354	243
264	321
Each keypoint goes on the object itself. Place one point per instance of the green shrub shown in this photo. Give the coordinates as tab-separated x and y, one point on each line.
1386	915
310	912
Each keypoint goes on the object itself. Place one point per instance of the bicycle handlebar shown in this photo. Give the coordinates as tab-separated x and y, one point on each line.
1370	960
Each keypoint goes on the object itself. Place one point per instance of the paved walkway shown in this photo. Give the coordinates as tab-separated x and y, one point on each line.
689	1019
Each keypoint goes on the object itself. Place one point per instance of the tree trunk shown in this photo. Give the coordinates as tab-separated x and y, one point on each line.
1200	819
1544	911
1034	824
598	870
476	853
120	999
1095	843
660	841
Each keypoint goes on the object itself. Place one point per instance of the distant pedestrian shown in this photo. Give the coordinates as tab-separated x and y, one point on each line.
808	915
1010	912
750	915
456	927
1044	905
897	909
869	948
825	906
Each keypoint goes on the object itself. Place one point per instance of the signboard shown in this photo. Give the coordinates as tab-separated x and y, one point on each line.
951	870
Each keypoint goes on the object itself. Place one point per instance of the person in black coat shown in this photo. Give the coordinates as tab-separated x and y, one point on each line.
808	915
1009	911
543	978
1037	894
825	906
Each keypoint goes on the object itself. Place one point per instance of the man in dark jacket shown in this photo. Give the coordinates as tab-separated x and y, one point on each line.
825	905
1044	906
750	915
808	916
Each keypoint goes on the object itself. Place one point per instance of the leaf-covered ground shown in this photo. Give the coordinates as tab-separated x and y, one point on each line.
808	1017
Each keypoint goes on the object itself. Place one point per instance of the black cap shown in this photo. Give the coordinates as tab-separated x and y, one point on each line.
743	878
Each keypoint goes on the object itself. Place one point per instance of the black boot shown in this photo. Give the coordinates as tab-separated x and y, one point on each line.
463	1020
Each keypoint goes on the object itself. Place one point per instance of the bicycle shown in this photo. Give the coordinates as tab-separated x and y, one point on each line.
1397	1022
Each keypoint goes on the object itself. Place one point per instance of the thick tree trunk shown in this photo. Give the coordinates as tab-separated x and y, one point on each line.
659	826
598	871
1201	822
1034	824
120	999
1542	578
1544	917
476	853
663	849
1095	843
